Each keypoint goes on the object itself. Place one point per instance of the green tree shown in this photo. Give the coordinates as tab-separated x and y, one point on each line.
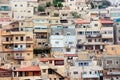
75	15
56	14
92	5
48	4
41	8
55	2
60	5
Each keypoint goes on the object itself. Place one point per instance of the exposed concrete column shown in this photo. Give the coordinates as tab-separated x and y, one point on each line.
101	47
94	47
83	47
13	74
17	74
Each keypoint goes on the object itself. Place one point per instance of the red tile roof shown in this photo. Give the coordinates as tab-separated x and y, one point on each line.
47	59
30	68
70	55
5	19
3	69
80	21
106	21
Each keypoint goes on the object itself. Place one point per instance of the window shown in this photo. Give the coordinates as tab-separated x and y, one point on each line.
8	54
117	62
16	46
68	49
50	61
16	38
7	39
95	72
28	45
81	33
29	11
21	23
68	33
109	62
21	46
28	54
84	73
113	48
95	24
39	43
16	54
50	21
57	33
21	5
56	42
44	70
89	40
59	62
15	5
90	72
50	71
56	21
119	31
21	38
75	72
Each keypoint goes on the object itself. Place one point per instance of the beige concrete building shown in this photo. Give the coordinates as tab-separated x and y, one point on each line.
112	49
23	9
17	42
42	30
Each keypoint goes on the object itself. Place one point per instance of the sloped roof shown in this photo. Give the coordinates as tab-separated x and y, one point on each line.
81	21
47	59
30	68
106	21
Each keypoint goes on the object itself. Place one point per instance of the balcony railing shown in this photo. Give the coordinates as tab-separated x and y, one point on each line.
18	57
19	49
93	36
113	73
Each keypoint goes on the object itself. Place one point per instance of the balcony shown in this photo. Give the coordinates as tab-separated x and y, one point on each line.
93	36
19	57
7	49
17	33
19	49
6	42
90	76
18	41
113	73
41	30
29	40
28	78
5	33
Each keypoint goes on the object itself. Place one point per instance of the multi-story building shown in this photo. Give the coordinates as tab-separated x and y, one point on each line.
29	73
94	35
55	68
111	65
5	11
42	30
17	42
77	4
112	49
63	39
23	9
85	69
117	31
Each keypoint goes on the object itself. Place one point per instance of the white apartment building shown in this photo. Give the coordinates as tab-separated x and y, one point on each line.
23	9
77	4
85	68
63	39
